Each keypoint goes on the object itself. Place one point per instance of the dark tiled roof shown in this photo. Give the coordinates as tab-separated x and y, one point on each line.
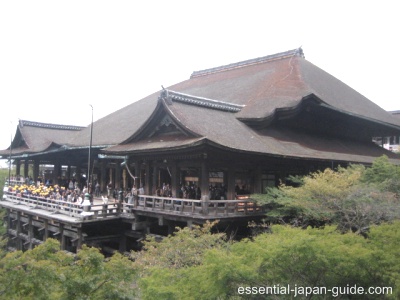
259	87
36	136
119	125
215	105
280	82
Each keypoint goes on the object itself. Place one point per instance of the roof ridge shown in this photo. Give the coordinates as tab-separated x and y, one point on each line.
253	61
23	123
170	96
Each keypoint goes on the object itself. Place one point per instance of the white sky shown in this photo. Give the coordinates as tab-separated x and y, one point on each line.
57	57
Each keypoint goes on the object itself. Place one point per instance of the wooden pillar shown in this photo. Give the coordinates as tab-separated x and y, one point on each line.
204	181
174	179
103	179
9	220
155	180
46	230
57	172
257	181
68	172
18	231
111	176
62	237
80	238
138	167
147	186
26	168
230	193
117	175
124	179
30	231
18	167
35	170
78	175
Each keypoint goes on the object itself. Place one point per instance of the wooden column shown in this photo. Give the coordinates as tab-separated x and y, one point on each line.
18	167
174	179
46	230
68	172
9	220
124	179
205	181
257	181
230	193
26	168
103	179
80	238
62	237
147	182
111	177
155	180
78	175
35	170
30	231
57	172
117	175
18	231
137	174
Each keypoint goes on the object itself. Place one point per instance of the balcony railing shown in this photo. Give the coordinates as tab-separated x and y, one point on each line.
212	209
195	208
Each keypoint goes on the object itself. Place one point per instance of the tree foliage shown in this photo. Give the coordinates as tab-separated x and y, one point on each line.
48	273
287	256
353	198
182	249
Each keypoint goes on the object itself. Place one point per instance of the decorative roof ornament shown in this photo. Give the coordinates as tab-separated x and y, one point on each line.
23	123
295	52
171	96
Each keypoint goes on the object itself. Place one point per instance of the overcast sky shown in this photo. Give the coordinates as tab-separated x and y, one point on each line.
58	57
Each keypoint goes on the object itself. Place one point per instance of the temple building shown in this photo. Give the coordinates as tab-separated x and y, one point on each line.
391	143
238	128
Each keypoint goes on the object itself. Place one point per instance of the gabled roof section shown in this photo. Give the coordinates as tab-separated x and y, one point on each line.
162	124
279	81
32	137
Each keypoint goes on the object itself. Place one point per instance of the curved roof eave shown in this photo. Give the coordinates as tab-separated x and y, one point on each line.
369	119
136	148
48	150
263	122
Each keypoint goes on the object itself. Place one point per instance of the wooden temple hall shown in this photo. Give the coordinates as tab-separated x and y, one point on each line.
210	141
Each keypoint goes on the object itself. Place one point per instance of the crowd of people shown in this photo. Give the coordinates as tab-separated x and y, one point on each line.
72	192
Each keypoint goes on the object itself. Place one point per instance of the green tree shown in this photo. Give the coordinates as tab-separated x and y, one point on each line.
182	249
287	256
164	265
348	197
48	273
384	175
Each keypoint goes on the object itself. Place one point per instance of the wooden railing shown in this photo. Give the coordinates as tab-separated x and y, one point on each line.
173	206
15	180
193	208
63	207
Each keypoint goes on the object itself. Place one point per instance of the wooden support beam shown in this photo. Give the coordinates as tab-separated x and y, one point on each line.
30	231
